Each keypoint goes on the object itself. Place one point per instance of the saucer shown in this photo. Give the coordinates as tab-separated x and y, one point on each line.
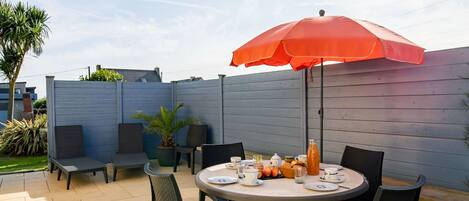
230	166
323	166
339	179
258	183
321	186
222	180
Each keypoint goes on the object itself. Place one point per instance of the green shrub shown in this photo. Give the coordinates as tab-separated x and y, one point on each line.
25	137
40	103
103	75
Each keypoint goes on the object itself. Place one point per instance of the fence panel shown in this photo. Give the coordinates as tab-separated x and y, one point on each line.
92	105
201	100
263	112
412	113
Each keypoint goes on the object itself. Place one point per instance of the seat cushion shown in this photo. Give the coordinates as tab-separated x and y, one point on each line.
130	160
184	149
79	164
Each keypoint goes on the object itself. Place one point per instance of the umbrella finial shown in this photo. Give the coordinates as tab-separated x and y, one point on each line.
322	12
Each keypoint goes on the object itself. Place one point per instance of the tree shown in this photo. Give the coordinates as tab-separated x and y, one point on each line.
103	75
23	30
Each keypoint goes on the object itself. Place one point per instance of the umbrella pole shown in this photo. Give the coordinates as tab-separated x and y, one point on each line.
321	112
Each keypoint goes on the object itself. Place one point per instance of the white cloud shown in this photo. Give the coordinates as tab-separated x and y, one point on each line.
196	37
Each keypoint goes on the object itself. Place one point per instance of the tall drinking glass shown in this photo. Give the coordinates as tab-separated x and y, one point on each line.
300	175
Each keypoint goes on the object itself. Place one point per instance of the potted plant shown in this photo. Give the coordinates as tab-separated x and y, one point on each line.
165	125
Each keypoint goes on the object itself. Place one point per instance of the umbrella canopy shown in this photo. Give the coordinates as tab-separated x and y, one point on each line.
303	43
311	41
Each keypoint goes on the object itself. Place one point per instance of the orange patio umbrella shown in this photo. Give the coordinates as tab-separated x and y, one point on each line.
311	41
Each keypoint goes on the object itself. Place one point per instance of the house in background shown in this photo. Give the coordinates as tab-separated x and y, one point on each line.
24	98
135	75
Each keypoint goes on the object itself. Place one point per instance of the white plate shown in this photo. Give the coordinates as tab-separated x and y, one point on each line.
321	186
222	180
323	166
340	179
231	166
258	182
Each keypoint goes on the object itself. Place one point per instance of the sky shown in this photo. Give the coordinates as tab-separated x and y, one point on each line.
196	37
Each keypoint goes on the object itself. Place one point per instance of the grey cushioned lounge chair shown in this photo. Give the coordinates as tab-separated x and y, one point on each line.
130	153
401	193
163	186
70	156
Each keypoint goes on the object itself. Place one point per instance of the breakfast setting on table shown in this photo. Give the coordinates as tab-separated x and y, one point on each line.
300	177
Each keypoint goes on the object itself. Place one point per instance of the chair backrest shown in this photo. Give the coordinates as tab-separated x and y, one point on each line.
69	142
369	163
197	135
130	138
401	193
214	154
163	186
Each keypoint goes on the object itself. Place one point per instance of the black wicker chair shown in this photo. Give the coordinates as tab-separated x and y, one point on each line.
214	154
369	163
163	186
401	193
130	153
70	155
196	136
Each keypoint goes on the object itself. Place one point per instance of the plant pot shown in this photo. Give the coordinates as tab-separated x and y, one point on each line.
165	155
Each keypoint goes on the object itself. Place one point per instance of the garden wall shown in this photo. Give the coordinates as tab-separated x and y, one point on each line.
412	113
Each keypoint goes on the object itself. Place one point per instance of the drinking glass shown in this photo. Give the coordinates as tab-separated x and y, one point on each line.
300	175
240	170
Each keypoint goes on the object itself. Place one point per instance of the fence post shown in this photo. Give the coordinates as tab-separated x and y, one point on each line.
50	95
119	102
173	94
304	106
173	104
222	123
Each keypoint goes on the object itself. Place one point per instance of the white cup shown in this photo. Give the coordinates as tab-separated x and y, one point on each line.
250	176
331	173
235	160
302	158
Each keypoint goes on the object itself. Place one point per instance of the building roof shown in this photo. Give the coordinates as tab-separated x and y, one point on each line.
135	75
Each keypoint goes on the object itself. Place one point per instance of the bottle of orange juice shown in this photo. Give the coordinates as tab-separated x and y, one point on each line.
312	164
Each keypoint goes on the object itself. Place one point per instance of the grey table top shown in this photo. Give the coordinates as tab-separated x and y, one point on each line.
278	189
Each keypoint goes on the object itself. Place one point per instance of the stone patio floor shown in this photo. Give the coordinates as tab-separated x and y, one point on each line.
133	185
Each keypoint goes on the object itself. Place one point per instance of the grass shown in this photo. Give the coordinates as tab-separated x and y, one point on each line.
10	164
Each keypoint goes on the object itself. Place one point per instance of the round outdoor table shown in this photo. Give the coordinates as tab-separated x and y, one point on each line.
282	189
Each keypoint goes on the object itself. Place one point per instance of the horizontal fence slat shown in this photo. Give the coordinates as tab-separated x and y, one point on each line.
396	115
389	102
433	87
446	131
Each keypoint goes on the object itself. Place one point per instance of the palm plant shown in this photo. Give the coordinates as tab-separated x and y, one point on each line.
164	124
23	29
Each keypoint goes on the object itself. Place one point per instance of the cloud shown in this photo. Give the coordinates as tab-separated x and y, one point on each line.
199	39
187	5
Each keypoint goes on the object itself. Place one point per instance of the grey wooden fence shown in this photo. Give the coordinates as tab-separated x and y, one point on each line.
99	107
263	111
201	101
412	113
